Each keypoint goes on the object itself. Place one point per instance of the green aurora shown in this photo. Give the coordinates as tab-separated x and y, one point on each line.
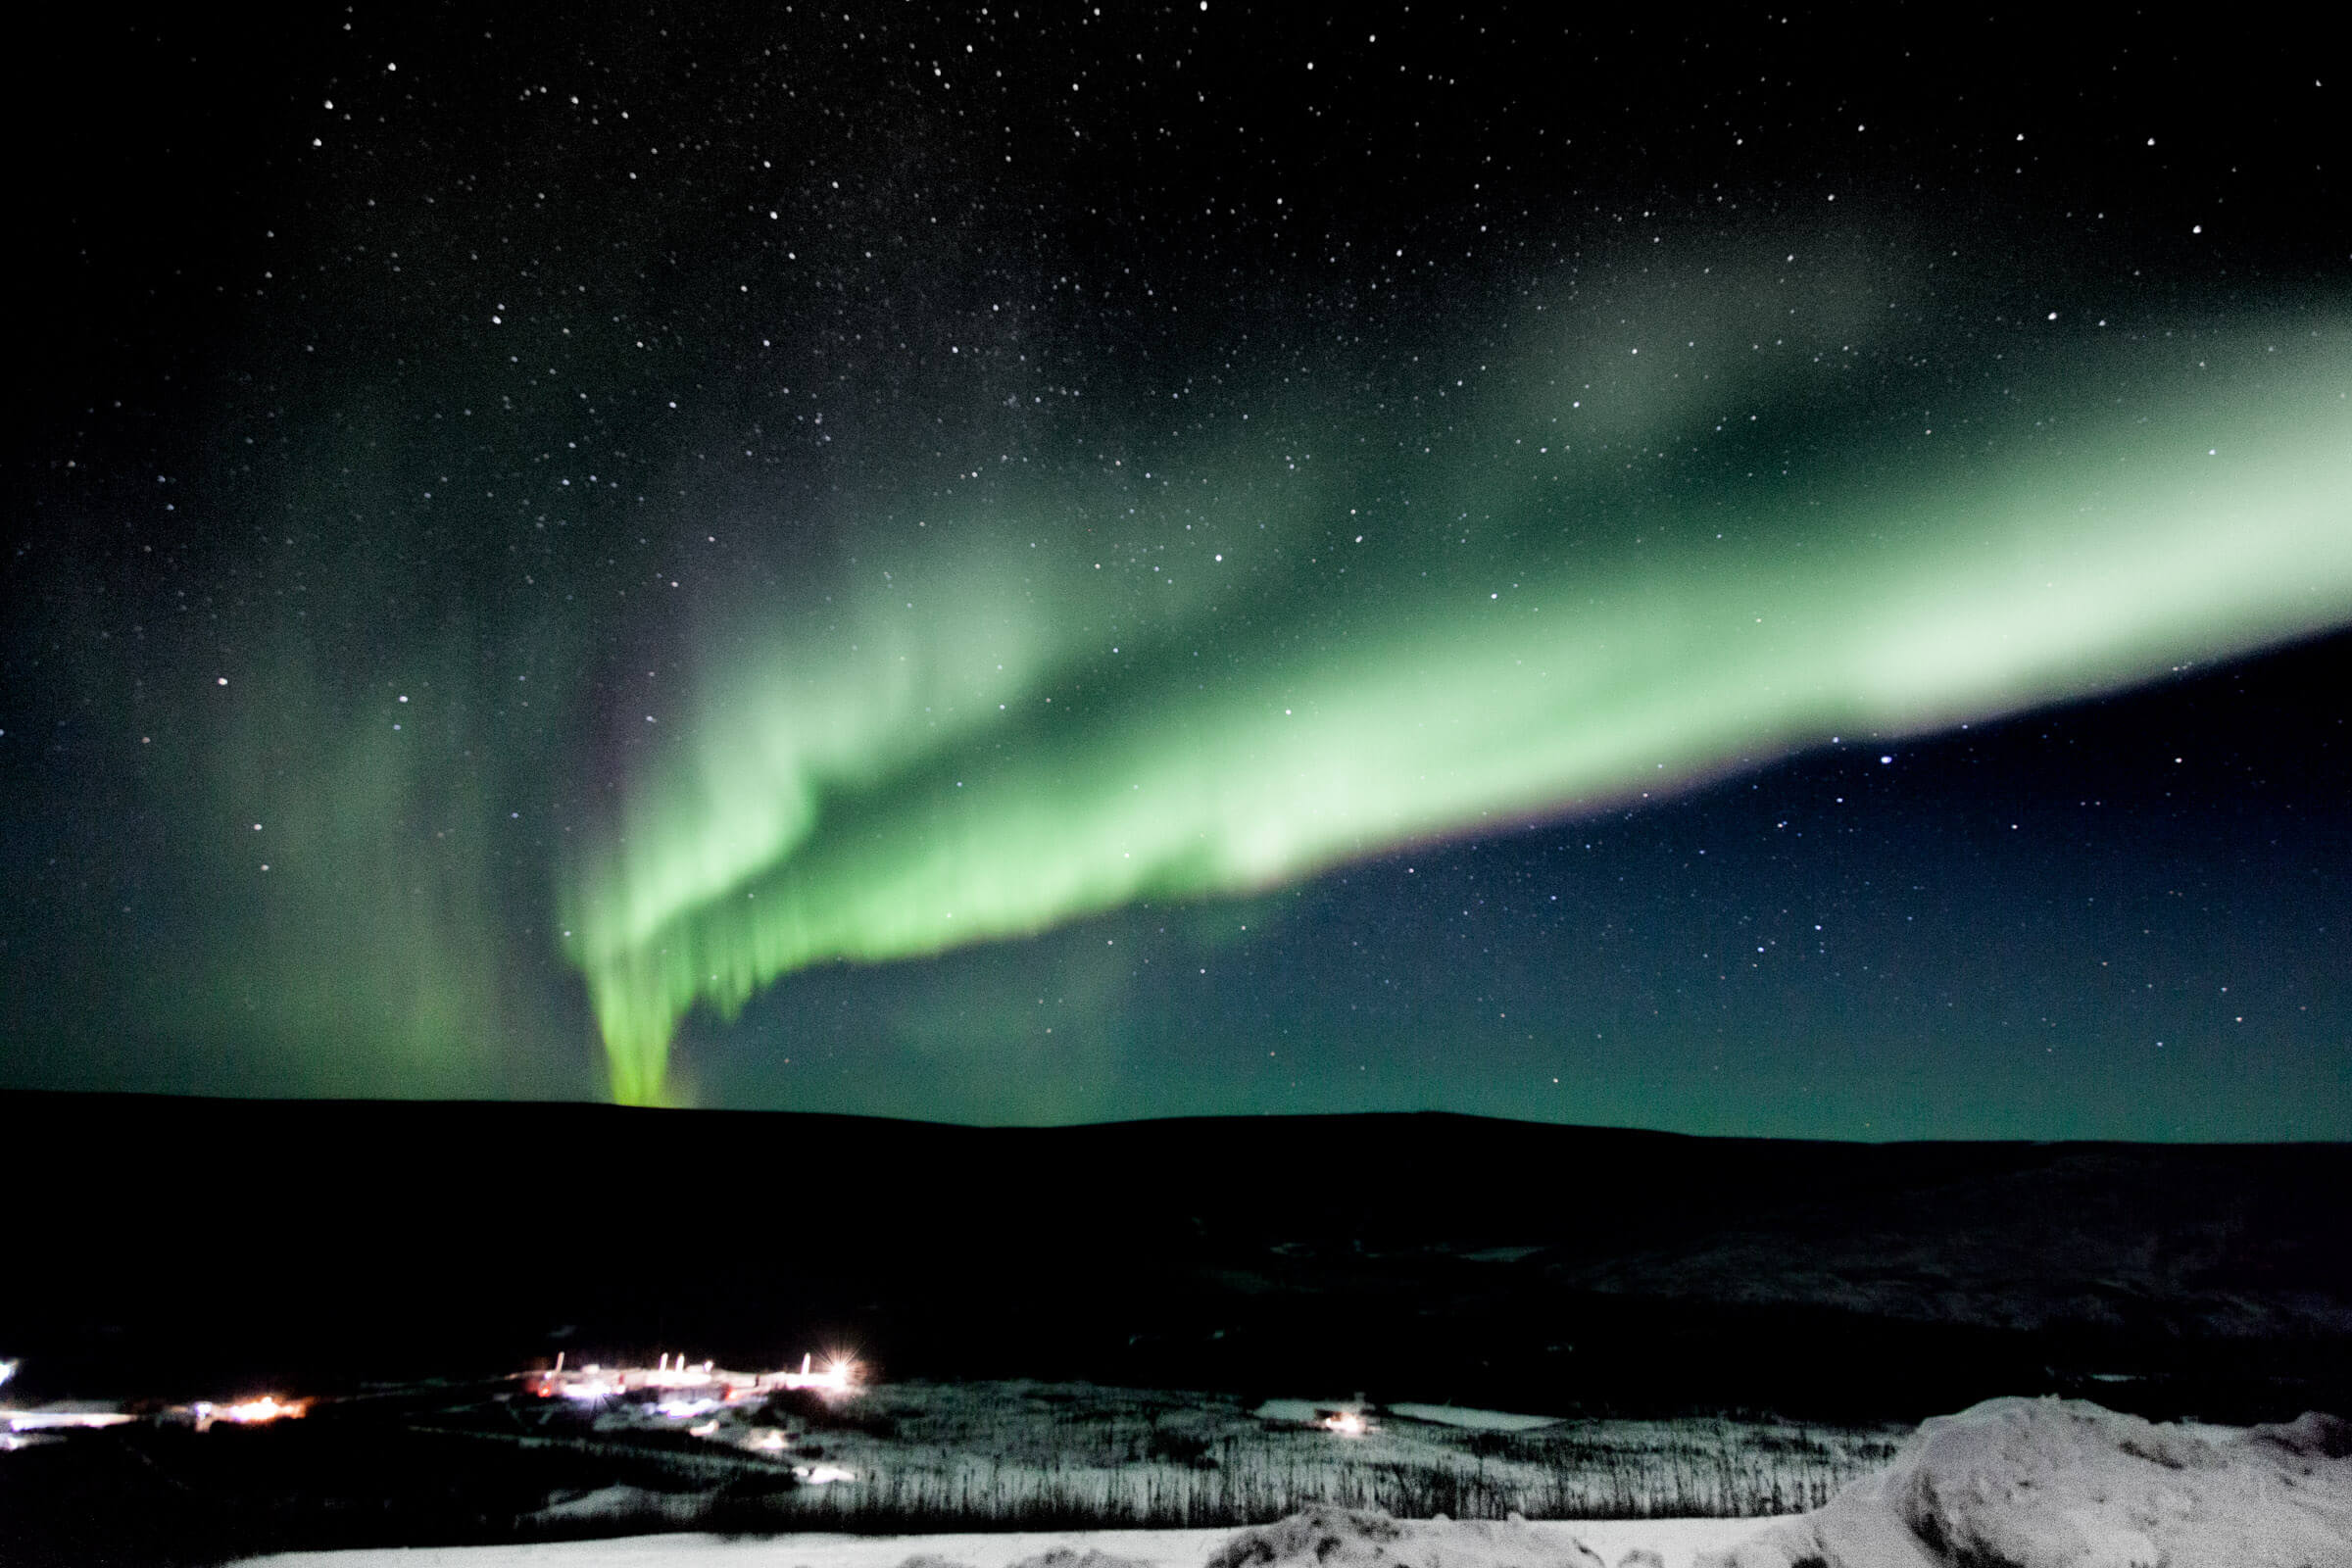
1602	563
1187	561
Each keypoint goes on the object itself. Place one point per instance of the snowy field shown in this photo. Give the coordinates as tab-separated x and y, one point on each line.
1030	1456
1675	1543
2008	1483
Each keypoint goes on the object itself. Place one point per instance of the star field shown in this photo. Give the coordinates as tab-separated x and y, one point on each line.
1739	572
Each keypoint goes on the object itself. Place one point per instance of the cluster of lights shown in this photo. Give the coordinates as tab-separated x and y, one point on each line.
712	1391
254	1413
691	1388
268	1408
696	1394
680	1376
204	1412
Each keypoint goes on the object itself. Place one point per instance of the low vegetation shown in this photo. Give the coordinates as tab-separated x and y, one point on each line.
988	1456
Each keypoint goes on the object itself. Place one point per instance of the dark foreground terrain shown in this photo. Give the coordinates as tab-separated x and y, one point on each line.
401	1262
180	1249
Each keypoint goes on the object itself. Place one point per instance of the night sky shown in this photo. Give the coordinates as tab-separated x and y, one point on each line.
1734	571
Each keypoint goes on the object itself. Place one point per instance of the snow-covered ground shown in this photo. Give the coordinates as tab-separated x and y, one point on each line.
1675	1543
1024	1453
2052	1483
2008	1483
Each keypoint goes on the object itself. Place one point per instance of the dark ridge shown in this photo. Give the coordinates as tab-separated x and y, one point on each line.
180	1247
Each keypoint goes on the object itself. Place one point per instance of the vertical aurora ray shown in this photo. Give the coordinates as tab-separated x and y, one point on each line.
997	739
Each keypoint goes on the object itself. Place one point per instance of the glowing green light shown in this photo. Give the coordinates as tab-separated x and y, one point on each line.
1561	605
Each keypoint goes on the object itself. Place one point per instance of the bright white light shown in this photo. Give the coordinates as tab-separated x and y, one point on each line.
1347	1423
838	1373
44	1420
8	1369
689	1389
268	1408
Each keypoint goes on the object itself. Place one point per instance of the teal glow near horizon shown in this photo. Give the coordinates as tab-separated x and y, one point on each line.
1234	661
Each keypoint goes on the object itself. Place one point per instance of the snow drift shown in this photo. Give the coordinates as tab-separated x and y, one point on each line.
1340	1538
2046	1482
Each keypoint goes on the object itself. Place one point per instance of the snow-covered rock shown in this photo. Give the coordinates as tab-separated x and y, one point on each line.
2063	1484
1078	1557
1339	1537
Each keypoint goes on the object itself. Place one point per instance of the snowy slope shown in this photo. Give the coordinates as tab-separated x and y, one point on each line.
2052	1483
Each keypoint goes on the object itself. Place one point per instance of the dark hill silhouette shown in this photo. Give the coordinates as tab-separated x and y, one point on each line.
171	1247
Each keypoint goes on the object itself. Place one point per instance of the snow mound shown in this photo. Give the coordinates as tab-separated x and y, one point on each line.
2064	1484
1338	1537
1072	1558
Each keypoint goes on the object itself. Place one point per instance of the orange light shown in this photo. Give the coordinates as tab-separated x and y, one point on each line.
268	1408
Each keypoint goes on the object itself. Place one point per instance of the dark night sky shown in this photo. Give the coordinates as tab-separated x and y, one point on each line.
1736	571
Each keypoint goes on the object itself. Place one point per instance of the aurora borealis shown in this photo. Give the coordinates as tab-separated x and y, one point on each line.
923	792
1044	566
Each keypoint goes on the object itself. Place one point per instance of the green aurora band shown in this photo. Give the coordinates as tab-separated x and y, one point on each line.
1614	566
